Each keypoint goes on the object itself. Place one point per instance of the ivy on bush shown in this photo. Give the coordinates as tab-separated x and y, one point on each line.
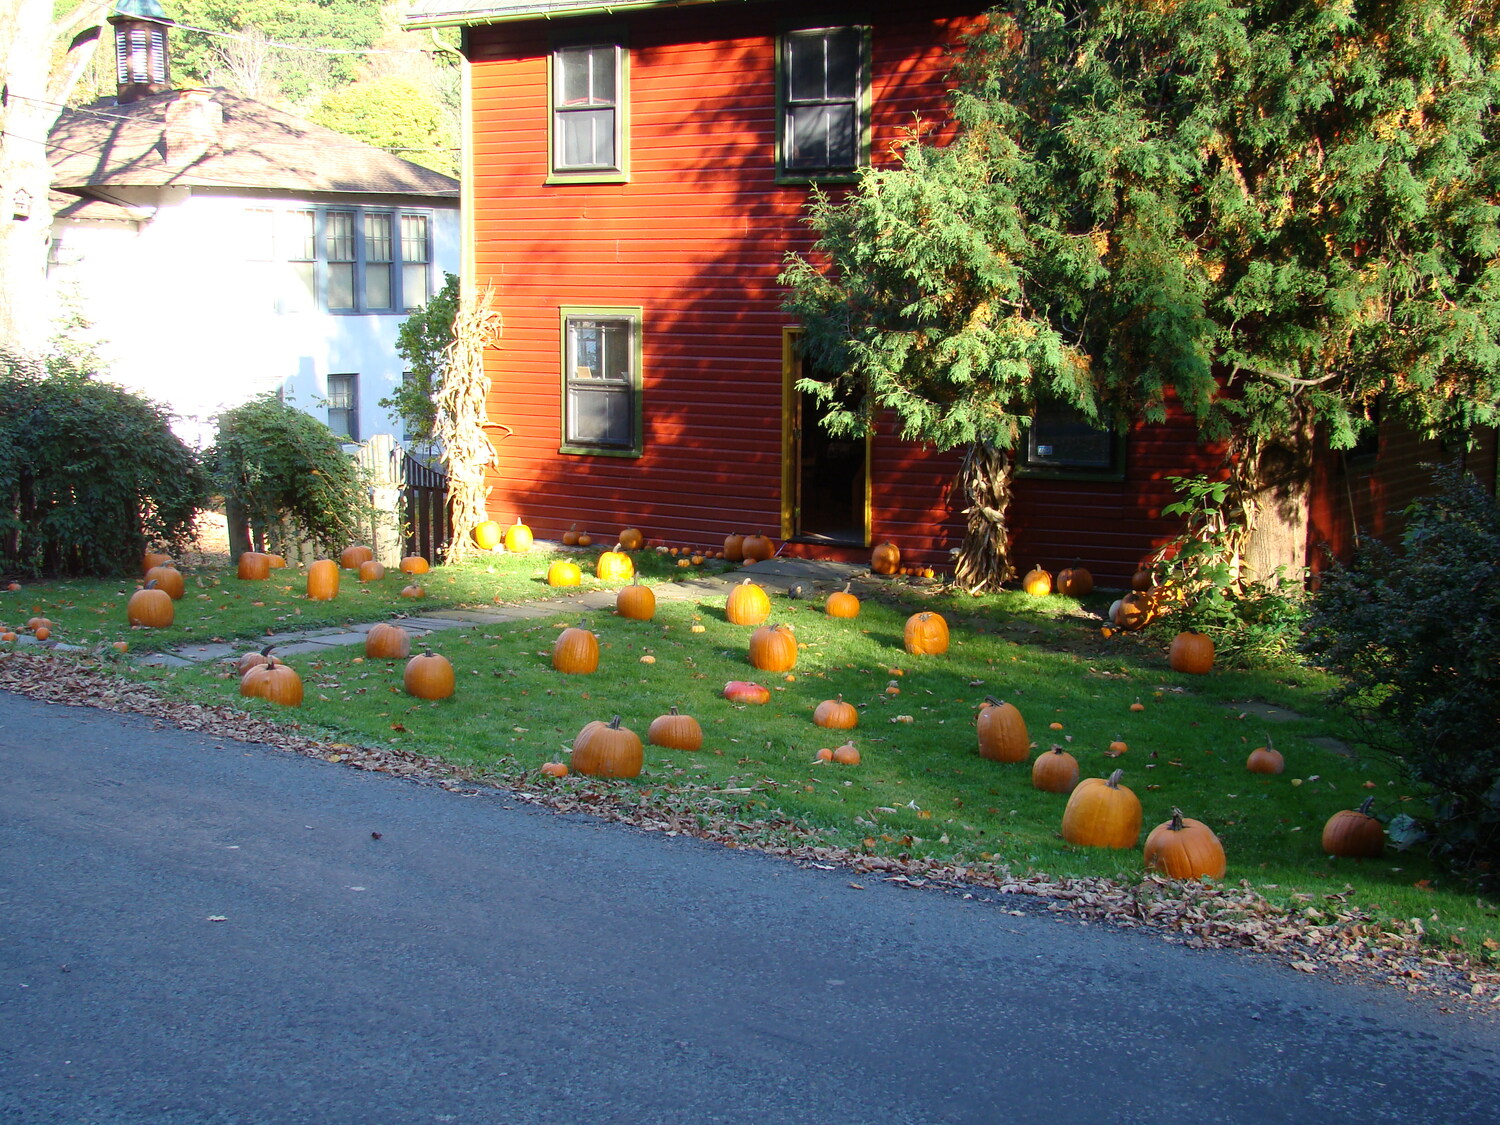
90	474
289	475
1416	634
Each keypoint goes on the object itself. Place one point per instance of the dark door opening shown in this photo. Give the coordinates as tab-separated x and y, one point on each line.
830	473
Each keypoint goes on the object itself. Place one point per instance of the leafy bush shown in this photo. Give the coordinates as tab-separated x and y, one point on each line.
90	474
423	341
1416	633
289	475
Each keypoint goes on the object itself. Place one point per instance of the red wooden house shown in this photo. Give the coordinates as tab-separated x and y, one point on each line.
638	171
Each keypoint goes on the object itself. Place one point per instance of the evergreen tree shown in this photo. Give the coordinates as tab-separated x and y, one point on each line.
1278	212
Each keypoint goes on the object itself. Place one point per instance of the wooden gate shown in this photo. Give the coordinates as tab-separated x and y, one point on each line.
429	523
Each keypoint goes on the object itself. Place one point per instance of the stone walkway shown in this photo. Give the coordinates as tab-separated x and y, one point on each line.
810	578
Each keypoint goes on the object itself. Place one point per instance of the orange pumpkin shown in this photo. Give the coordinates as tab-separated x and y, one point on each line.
570	537
253	566
352	556
885	558
1265	759
1002	732
846	755
518	538
836	714
1037	583
413	591
615	566
1192	653
387	642
745	691
323	580
635	601
152	559
562	572
371	571
734	547
926	634
1132	611
1075	581
842	603
1184	848
429	675
747	604
675	731
608	750
148	607
576	652
1354	833
555	769
253	660
632	539
275	682
757	548
169	579
414	564
1056	771
487	535
1102	813
773	648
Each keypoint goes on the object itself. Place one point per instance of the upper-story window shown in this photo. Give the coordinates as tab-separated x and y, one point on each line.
588	105
353	259
824	88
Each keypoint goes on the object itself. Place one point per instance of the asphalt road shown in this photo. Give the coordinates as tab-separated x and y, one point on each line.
483	961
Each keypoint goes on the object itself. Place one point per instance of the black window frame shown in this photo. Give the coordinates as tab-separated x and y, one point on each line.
1056	422
794	103
622	389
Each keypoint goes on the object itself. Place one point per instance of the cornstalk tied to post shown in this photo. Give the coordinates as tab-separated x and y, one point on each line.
460	421
983	485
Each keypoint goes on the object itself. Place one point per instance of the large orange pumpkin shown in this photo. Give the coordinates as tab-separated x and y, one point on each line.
1037	583
353	555
773	648
518	538
1056	771
675	731
747	604
1184	848
885	558
371	571
576	652
757	548
1265	759
836	714
562	572
615	566
415	564
1192	653
253	566
323	580
386	641
734	547
608	750
152	559
926	634
842	603
1075	581
149	607
168	578
273	681
487	535
1354	833
632	539
635	601
1102	813
429	675
1002	732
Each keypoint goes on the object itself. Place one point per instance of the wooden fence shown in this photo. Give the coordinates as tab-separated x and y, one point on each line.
427	518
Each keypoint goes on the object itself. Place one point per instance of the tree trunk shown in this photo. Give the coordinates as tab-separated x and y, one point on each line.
1276	478
983	487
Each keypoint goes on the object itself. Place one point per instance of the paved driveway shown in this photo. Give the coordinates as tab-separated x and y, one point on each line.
196	930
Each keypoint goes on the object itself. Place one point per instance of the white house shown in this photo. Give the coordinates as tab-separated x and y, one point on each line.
221	248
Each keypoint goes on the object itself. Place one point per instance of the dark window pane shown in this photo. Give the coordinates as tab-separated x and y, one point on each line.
822	136
338	235
1062	439
806	67
843	63
599	415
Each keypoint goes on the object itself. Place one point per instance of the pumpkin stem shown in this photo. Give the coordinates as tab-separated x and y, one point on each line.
1114	779
992	701
267	650
614	724
672	709
1057	748
1176	819
1366	805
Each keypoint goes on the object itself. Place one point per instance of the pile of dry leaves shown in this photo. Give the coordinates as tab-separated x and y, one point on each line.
1321	934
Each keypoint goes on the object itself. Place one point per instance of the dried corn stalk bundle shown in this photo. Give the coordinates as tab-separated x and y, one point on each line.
461	423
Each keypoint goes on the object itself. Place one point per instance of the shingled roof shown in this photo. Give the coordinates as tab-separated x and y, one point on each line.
142	144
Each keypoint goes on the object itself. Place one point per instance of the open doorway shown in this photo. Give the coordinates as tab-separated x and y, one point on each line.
826	497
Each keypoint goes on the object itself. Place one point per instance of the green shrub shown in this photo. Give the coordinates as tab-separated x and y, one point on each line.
423	341
289	475
90	474
1415	634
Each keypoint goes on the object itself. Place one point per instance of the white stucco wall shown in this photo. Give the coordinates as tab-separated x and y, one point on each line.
189	318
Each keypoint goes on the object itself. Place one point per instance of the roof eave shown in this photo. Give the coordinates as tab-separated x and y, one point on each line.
537	10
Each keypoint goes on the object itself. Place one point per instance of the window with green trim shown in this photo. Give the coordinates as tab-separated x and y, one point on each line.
601	381
823	80
587	107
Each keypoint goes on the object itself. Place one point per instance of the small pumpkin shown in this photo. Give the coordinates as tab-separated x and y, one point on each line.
371	571
615	566
1056	771
773	648
675	731
555	769
570	537
576	652
1102	813
1354	833
562	572
1265	759
487	535
518	538
746	691
632	539
1038	582
414	564
352	556
1143	579
1184	848
846	755
885	558
842	603
148	607
323	580
926	634
608	750
1002	732
747	604
734	547
836	714
168	578
1192	653
1133	611
273	681
1075	581
253	566
253	660
413	591
386	641
584	539
429	675
635	601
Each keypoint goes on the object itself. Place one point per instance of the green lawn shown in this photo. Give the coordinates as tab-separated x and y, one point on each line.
921	789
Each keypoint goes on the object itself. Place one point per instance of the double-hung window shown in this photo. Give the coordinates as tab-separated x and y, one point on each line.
343	406
601	409
824	96
1062	441
354	259
588	105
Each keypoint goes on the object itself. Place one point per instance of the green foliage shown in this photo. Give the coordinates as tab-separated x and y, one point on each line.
90	474
395	114
423	341
288	472
1417	635
1276	211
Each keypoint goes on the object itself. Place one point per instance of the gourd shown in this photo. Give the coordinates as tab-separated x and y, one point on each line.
885	558
615	566
576	652
1102	813
675	731
1354	833
387	642
1265	759
323	580
487	535
1192	653
518	538
253	566
371	571
273	681
148	607
635	601
352	557
836	714
414	564
428	675
561	572
1056	771
1037	583
1184	848
1075	581
169	579
747	604
608	750
746	691
926	634
1002	732
842	603
773	648
632	539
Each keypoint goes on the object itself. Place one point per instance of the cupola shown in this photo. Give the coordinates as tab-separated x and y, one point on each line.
140	49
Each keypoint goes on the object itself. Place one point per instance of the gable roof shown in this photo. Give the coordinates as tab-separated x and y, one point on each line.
108	145
441	13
